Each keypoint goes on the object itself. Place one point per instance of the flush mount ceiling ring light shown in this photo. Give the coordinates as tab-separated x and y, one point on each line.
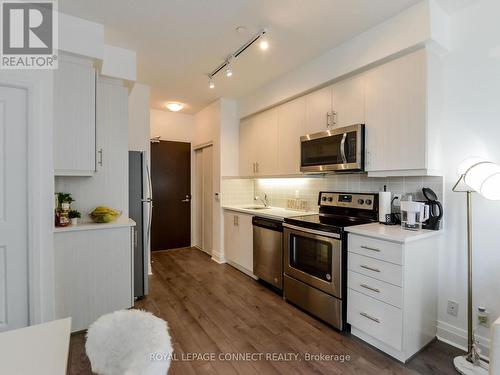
227	64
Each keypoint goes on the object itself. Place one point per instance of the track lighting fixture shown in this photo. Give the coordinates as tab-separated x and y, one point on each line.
227	65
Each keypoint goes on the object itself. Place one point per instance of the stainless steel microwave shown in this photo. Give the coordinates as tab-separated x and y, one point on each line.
335	150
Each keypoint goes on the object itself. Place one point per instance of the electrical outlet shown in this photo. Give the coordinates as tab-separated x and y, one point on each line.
452	308
483	316
397	199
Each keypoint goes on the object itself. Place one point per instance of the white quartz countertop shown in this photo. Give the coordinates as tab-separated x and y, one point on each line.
392	232
277	213
119	223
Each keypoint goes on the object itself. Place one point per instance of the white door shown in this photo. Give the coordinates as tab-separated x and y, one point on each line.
207	200
13	209
204	198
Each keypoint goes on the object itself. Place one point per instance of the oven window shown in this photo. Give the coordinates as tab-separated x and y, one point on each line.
311	256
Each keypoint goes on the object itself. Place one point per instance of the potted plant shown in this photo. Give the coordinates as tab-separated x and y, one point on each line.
74	215
64	200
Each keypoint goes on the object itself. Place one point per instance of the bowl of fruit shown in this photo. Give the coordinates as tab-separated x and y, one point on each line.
104	214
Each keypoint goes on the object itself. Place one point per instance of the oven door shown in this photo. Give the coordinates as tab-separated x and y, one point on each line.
339	149
314	258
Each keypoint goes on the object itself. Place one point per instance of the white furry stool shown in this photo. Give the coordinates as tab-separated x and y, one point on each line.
129	342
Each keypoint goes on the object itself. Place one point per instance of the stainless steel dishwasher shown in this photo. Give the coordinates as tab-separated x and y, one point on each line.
268	250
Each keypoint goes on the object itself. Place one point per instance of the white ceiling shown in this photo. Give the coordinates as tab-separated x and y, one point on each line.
179	41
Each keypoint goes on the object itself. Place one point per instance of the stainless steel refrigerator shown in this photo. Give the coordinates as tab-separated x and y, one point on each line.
140	210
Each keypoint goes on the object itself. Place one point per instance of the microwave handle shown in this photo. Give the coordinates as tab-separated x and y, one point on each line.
342	148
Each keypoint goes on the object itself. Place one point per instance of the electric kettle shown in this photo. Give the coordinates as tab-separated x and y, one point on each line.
435	210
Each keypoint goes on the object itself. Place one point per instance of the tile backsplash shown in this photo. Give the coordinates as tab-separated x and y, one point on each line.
279	190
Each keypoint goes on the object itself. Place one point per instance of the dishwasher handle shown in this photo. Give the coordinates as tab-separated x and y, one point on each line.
270	224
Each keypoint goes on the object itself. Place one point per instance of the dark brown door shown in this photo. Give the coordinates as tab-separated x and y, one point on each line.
171	179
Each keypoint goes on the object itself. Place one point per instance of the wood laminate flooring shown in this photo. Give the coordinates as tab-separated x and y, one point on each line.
213	308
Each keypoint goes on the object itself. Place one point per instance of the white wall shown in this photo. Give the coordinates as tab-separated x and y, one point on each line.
472	127
423	23
171	126
138	118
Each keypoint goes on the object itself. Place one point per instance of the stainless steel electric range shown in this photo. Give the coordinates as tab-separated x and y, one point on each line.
316	254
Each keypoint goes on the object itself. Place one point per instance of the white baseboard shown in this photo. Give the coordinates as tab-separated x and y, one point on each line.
218	257
457	337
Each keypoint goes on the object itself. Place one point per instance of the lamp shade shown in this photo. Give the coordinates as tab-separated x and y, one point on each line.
483	177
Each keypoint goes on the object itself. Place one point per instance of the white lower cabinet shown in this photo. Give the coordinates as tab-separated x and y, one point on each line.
238	240
93	273
392	293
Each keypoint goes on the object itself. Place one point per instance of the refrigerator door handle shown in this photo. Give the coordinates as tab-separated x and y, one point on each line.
150	201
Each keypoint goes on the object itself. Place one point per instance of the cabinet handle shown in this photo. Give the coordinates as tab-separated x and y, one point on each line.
135	237
257	164
371	248
235	220
370	288
253	167
100	157
370	268
369	317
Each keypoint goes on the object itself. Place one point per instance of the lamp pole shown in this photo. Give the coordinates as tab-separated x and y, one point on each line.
470	341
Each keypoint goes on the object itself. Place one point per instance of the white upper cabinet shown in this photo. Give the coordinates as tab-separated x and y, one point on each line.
399	102
396	117
291	126
319	105
74	117
258	144
349	102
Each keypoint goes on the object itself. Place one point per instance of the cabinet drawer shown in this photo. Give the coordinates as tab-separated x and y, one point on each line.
377	289
380	320
378	249
375	268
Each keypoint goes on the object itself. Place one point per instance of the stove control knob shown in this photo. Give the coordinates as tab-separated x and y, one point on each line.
323	199
368	202
330	199
361	201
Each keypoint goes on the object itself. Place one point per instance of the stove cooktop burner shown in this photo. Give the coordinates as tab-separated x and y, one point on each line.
327	223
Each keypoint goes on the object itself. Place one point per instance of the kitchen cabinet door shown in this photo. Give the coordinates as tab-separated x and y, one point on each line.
238	240
93	274
396	114
318	106
247	149
291	126
349	101
265	142
74	117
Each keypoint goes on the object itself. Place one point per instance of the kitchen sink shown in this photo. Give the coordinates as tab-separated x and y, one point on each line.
257	208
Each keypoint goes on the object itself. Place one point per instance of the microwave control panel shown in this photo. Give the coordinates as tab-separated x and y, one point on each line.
347	200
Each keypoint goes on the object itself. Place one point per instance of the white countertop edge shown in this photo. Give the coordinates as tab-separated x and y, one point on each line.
120	223
272	213
405	236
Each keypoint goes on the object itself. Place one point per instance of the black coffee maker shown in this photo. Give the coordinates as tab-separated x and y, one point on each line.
435	210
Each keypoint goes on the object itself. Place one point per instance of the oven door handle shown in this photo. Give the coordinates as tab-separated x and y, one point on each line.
312	231
342	148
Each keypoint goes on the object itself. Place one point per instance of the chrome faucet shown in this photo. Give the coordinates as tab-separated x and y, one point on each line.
264	201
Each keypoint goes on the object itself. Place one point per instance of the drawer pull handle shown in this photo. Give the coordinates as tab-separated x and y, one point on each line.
369	317
370	288
370	268
370	248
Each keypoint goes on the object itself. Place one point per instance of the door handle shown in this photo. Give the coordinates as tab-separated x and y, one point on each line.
370	288
363	314
370	268
187	199
370	248
342	148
